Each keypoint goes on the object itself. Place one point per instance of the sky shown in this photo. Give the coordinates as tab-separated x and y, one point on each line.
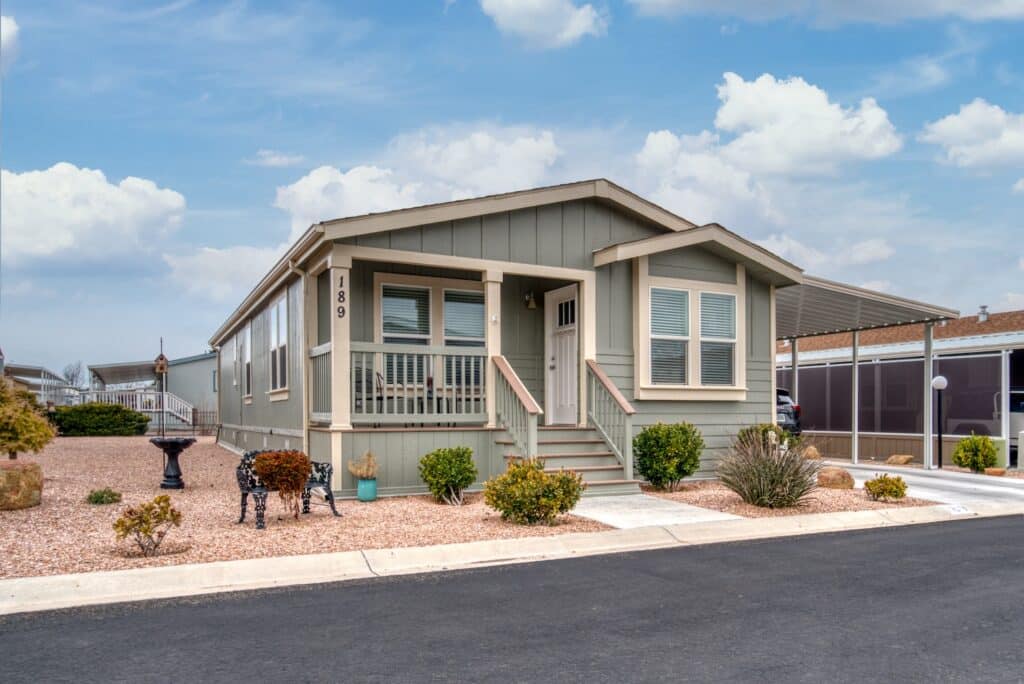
158	156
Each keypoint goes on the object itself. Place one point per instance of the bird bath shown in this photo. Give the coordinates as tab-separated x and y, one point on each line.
172	448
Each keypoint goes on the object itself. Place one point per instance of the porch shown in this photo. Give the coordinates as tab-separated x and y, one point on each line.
430	352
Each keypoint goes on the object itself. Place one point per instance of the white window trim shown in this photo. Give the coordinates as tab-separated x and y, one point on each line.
277	393
693	390
436	286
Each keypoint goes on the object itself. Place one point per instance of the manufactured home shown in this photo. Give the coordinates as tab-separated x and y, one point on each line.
556	321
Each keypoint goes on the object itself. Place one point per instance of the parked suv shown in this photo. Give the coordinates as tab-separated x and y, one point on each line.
787	412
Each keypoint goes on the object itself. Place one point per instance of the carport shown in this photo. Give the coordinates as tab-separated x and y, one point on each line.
824	307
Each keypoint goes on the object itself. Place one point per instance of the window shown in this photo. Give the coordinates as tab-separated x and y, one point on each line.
717	338
670	335
247	361
234	361
405	314
464	316
278	344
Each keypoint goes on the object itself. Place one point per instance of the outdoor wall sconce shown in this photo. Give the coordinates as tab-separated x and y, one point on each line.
531	303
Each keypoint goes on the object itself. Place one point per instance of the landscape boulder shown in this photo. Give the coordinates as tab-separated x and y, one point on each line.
21	485
899	459
811	453
834	477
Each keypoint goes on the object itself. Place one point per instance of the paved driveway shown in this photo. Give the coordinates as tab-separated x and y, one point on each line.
878	605
946	486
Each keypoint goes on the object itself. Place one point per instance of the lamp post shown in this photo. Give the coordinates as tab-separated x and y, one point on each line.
939	383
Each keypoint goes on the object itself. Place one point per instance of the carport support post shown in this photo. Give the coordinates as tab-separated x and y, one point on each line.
855	398
928	418
794	357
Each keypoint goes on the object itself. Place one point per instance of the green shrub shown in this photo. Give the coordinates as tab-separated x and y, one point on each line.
527	495
976	452
23	426
99	420
665	454
147	524
284	471
886	488
765	474
103	496
769	431
447	472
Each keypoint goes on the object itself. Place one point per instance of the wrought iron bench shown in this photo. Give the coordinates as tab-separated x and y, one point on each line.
249	483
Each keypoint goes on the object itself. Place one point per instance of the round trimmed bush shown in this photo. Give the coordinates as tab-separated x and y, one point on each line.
447	472
976	452
664	454
94	419
527	495
886	488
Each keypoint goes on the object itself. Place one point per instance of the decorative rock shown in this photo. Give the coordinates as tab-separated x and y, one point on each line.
899	459
21	485
811	453
995	472
834	477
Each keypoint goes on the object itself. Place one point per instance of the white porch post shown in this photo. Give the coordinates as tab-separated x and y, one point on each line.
492	306
855	399
340	266
928	418
1004	403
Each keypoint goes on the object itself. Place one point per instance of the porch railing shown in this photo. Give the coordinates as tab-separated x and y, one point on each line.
515	408
611	414
144	401
414	384
320	383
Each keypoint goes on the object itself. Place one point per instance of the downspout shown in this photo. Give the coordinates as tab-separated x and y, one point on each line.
304	350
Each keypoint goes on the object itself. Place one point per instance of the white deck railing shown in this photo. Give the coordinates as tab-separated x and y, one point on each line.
148	402
412	384
611	414
320	385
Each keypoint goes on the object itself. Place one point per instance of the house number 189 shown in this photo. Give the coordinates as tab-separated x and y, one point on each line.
341	297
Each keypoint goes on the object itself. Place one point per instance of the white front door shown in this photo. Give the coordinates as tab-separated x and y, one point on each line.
561	393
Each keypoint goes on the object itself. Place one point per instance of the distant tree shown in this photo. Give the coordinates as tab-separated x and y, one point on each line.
23	426
74	373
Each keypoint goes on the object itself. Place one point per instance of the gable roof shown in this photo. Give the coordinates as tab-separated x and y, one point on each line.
597	188
758	260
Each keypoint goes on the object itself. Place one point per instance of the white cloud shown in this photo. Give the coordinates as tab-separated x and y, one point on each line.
1011	301
546	23
326	193
66	210
979	135
790	126
8	42
482	161
275	159
221	274
832	12
812	258
1018	187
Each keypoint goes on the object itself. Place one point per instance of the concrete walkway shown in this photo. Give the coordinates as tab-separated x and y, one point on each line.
641	510
945	486
29	594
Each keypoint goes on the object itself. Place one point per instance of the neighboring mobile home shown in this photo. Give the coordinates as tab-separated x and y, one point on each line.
556	321
470	322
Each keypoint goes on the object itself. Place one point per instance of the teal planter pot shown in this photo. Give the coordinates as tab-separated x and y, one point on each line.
366	490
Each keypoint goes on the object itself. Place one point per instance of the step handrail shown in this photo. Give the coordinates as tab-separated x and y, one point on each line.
515	408
611	414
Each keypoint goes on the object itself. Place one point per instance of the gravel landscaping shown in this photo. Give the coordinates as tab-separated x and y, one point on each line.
65	534
714	495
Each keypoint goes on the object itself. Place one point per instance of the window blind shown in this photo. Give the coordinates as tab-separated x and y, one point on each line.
717	315
405	311
464	315
718	334
716	363
670	315
668	362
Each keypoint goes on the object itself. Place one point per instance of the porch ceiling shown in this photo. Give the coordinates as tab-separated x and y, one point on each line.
821	307
122	373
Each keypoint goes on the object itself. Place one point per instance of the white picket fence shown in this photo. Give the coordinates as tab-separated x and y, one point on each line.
148	402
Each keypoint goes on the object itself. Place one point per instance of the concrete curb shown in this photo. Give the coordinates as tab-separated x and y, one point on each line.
29	594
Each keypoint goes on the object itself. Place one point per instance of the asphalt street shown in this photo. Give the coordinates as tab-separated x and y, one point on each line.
924	603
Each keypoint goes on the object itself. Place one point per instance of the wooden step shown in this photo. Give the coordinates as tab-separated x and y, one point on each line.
585	469
597	440
570	454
